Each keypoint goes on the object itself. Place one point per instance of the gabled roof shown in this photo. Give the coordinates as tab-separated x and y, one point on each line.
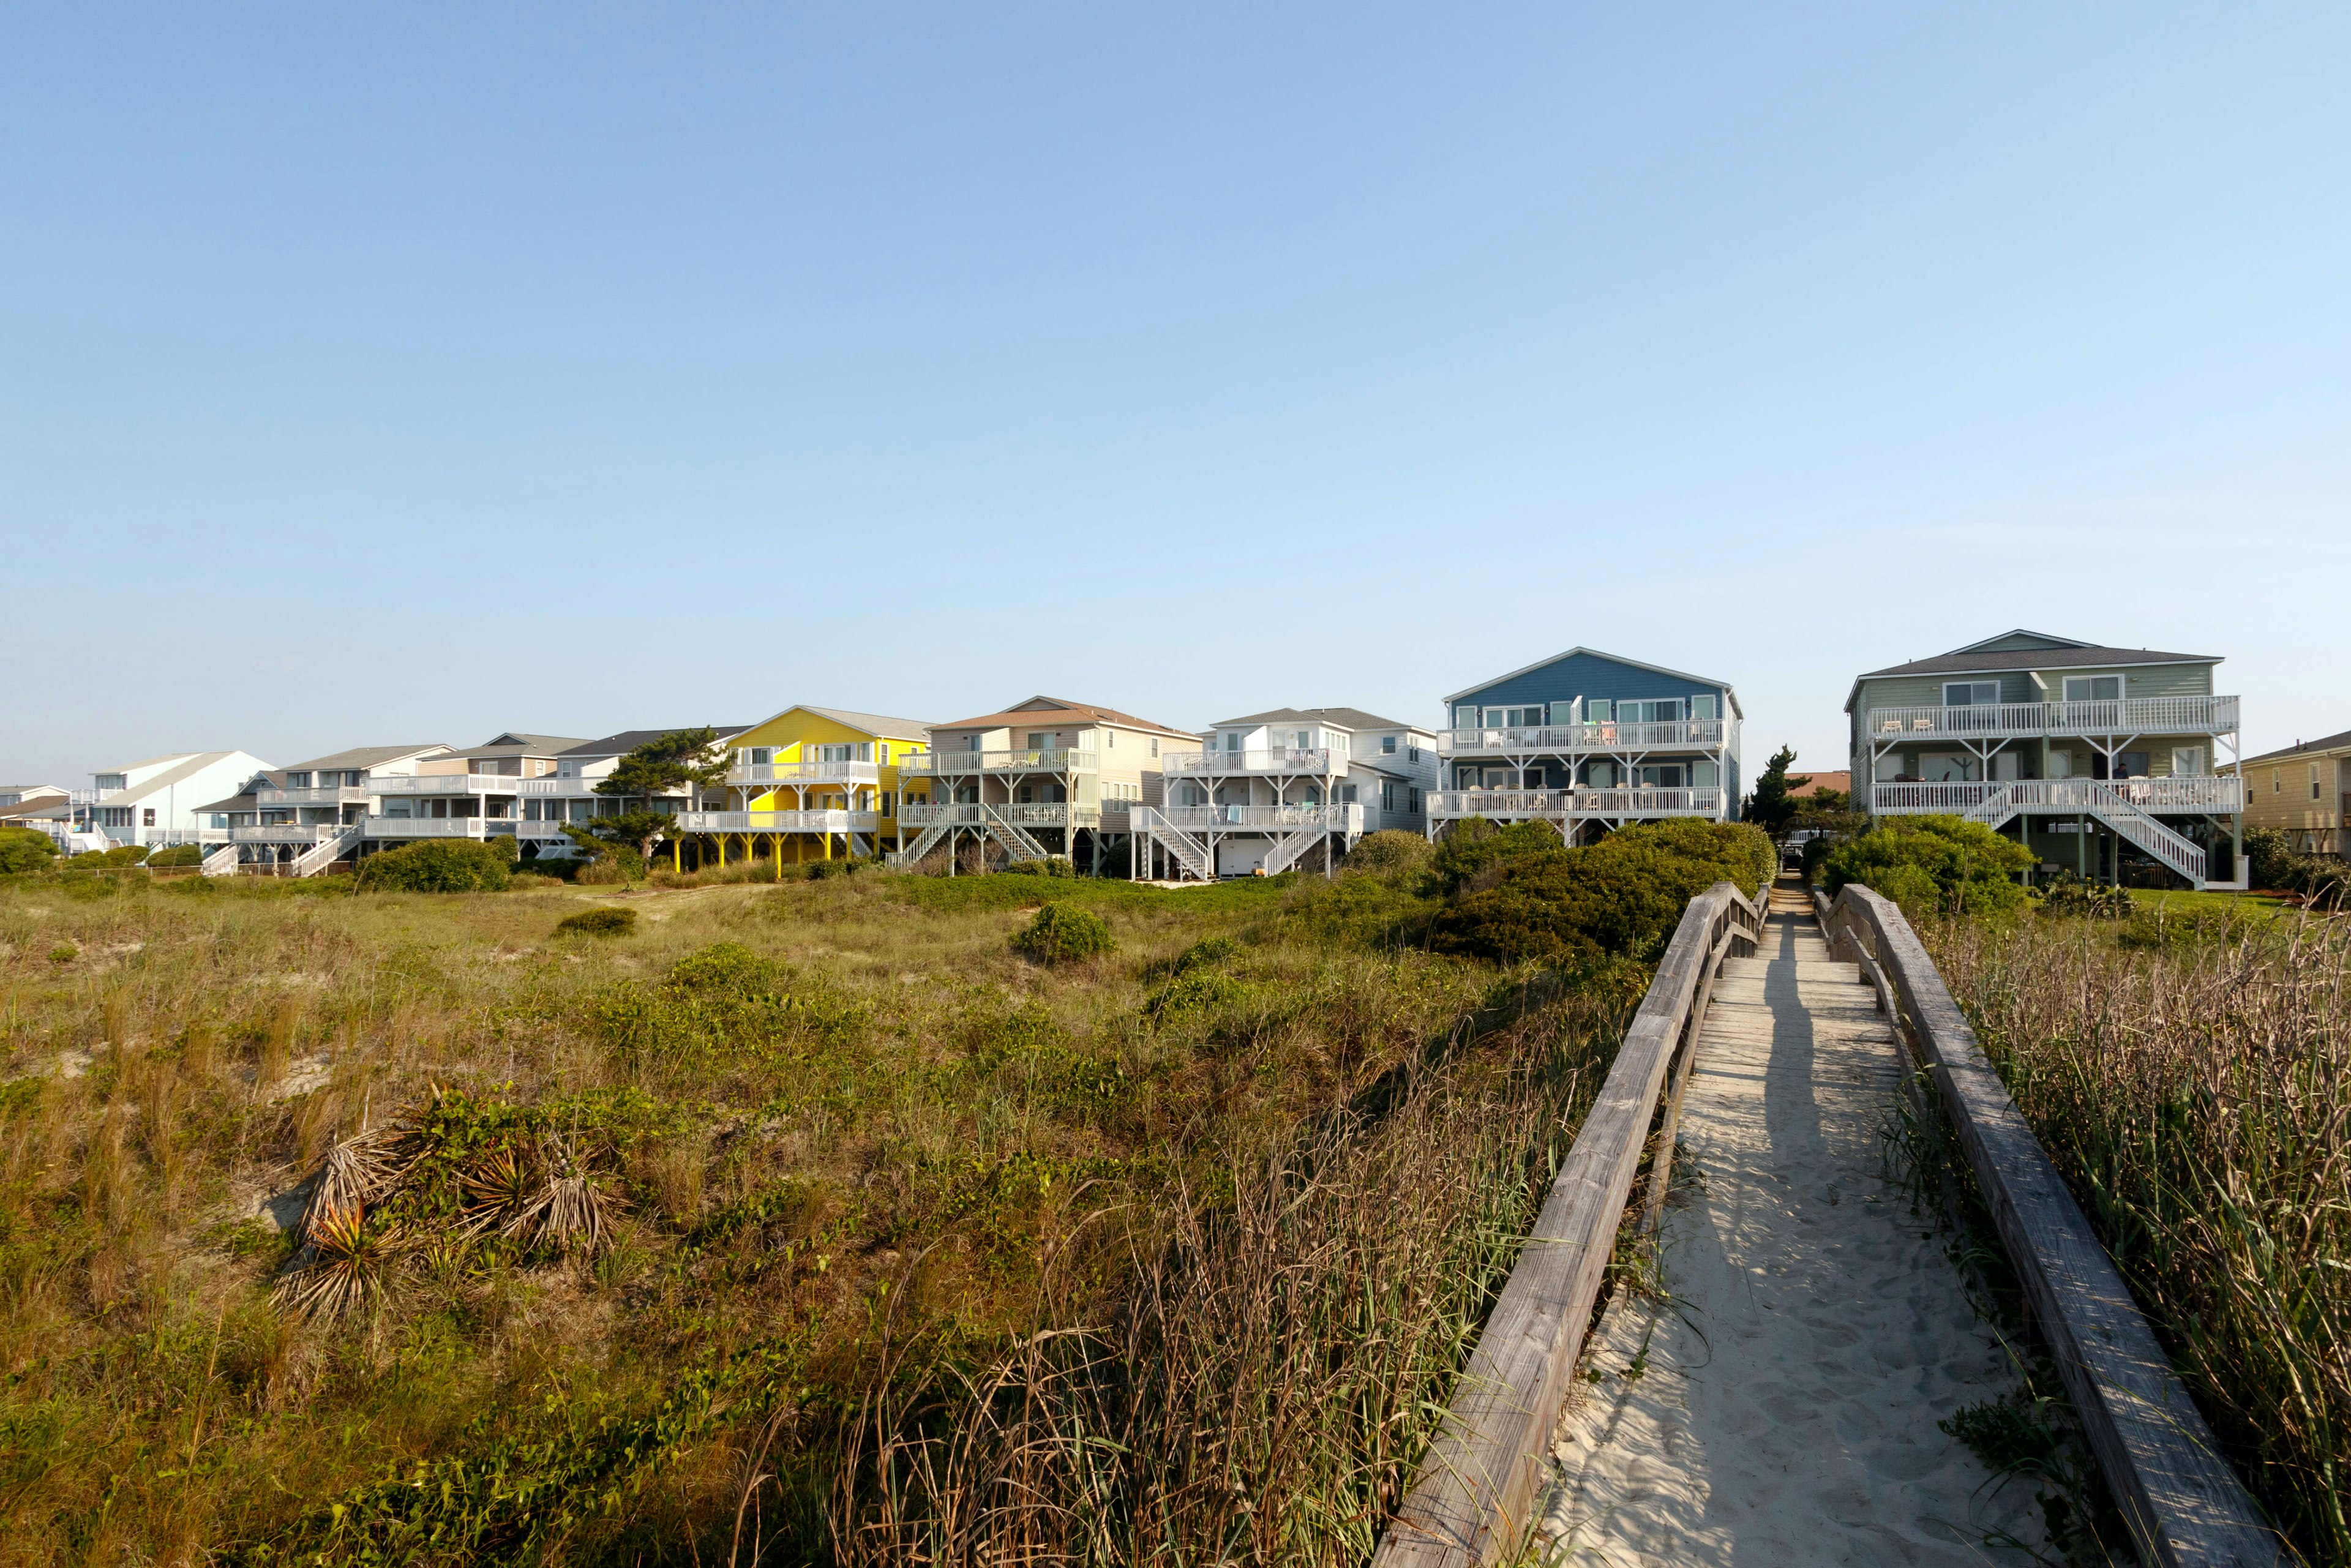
514	743
2061	654
1050	710
1348	718
2037	639
629	739
190	763
1728	690
364	757
2324	744
879	726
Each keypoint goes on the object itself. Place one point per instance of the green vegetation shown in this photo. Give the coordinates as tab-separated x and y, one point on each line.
1932	866
440	865
2189	1067
1062	932
177	856
394	1229
1770	806
24	850
607	922
2278	867
109	860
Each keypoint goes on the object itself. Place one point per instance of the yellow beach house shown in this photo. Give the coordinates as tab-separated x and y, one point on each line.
809	784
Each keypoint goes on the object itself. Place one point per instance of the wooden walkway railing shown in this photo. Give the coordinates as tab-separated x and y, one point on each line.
1477	1489
2181	1502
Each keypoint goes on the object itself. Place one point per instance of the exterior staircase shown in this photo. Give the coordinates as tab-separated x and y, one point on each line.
221	862
1189	852
2093	797
1284	855
327	852
1017	840
927	840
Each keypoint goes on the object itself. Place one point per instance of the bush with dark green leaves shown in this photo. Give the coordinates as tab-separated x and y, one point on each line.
22	849
1933	866
1052	865
177	856
1622	896
598	922
109	860
1060	933
2278	867
1390	853
439	866
2068	895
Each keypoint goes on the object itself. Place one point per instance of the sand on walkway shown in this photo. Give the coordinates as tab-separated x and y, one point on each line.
1779	1404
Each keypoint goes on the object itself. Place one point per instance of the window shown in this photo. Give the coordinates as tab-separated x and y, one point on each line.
2277	780
885	751
1970	694
2186	761
888	803
1465	718
1346	794
147	816
1412	752
1412	798
971	743
1232	740
2314	790
1703	706
2092	689
1155	747
1387	795
1388	745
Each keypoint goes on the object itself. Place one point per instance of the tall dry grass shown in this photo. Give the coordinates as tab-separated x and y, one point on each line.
2196	1094
894	1165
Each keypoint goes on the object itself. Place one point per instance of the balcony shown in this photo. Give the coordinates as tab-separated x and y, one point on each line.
1279	759
288	833
1568	739
780	821
766	774
2216	794
936	764
435	827
2027	721
1041	815
329	794
406	785
1559	805
1270	818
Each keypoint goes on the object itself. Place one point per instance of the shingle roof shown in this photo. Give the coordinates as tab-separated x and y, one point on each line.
629	739
515	743
871	723
364	757
2305	748
2037	659
1054	708
244	799
193	762
1344	718
1728	689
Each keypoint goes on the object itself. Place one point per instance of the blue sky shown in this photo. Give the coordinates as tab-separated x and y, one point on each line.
407	374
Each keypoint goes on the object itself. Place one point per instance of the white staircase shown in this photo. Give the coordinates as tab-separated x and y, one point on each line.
1284	855
327	852
925	843
221	862
1017	840
1188	851
2092	797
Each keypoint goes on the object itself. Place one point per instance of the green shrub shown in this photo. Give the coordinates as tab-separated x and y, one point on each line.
178	854
598	922
817	870
1052	865
22	849
1620	896
561	868
1960	867
438	865
2069	895
1474	851
109	860
2278	867
1390	853
1060	932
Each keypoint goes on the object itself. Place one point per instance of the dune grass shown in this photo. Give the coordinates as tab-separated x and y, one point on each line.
801	1222
2195	1092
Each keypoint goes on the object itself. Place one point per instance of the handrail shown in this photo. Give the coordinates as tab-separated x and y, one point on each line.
1474	1494
2181	1502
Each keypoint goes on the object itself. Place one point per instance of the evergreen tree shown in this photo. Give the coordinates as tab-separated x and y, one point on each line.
1770	806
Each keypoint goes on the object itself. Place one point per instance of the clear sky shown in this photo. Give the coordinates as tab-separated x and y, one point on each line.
408	374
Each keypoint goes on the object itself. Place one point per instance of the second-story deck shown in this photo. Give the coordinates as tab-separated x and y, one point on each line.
2031	721
317	795
957	764
1560	805
795	775
1027	814
1571	739
808	821
1280	759
2215	794
1342	818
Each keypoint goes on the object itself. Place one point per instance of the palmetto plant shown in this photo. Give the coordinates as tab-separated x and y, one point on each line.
350	1260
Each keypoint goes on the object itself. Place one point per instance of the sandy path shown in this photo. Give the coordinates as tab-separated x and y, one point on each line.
1781	1407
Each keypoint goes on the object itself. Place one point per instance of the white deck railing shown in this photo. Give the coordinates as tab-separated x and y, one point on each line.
1212	819
324	795
2112	716
1563	739
409	784
965	814
287	833
427	827
1275	760
2223	793
770	773
813	821
938	763
1445	804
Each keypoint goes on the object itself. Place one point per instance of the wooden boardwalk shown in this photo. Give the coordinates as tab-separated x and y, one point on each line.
1779	1403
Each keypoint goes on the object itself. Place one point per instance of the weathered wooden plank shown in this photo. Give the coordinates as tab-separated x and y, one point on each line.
1476	1490
2183	1503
